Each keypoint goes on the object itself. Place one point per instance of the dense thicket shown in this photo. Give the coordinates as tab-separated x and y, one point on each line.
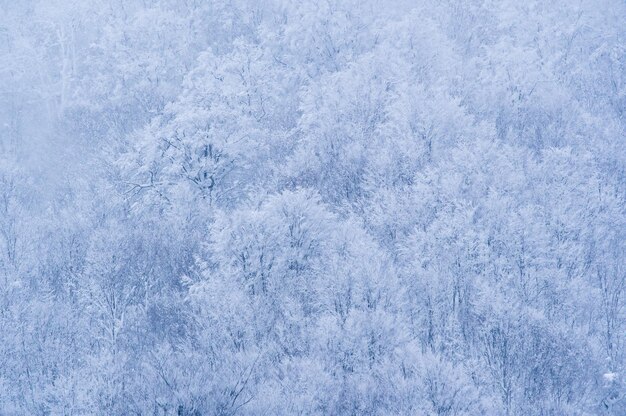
346	208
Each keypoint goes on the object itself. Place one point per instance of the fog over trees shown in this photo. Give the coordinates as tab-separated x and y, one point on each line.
318	207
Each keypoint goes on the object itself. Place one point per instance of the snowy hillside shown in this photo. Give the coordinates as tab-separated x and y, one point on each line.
272	207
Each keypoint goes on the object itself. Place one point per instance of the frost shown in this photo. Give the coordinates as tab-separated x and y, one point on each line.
252	207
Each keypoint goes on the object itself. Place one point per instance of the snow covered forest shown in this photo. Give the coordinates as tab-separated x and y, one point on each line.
317	207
